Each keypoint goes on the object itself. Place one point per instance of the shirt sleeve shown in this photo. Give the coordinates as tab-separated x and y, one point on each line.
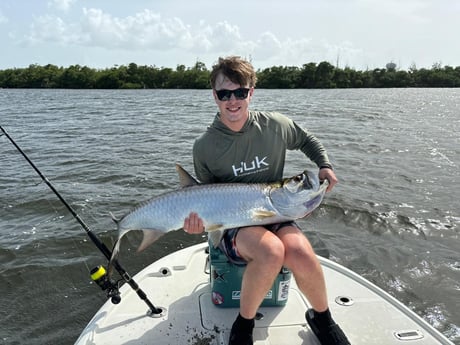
308	143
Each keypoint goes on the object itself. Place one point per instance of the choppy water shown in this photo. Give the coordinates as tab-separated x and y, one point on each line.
394	218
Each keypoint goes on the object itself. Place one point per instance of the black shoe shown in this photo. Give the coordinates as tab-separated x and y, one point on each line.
241	333
330	334
240	339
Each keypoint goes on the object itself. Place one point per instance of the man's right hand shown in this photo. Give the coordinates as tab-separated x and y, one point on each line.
193	224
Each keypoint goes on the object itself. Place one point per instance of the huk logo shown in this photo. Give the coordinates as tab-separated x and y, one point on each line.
249	168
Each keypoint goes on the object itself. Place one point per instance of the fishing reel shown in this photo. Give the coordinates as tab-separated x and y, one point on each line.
100	277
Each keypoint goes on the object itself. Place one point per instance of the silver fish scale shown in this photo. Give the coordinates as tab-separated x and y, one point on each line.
226	205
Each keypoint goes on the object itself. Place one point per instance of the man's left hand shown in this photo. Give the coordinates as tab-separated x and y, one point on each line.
328	174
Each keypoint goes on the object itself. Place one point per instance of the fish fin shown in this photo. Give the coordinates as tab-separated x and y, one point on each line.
185	179
115	219
261	213
214	227
150	236
215	237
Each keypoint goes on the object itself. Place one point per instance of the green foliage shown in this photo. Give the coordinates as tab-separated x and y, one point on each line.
311	75
278	78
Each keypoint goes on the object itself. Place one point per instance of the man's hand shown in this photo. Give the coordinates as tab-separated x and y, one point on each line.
328	174
193	224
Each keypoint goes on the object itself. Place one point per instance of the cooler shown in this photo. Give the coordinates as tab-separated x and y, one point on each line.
226	282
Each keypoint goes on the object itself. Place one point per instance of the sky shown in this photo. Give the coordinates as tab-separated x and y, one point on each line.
360	34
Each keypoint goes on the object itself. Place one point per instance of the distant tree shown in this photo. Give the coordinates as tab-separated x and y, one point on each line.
77	77
443	77
457	76
342	78
323	75
108	79
197	76
51	76
403	79
307	76
133	77
11	78
165	78
279	77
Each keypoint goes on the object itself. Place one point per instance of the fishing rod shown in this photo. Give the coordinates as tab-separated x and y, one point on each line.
98	274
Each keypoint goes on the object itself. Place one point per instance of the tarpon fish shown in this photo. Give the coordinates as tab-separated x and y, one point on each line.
223	206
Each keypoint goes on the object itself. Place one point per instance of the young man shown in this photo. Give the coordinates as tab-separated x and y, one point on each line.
248	146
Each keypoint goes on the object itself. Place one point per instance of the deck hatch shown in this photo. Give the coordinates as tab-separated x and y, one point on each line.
408	335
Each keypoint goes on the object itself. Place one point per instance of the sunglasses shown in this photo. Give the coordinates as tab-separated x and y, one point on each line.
225	95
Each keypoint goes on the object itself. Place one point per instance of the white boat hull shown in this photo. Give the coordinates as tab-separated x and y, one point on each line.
179	283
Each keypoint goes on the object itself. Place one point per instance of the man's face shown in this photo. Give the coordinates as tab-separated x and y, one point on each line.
234	112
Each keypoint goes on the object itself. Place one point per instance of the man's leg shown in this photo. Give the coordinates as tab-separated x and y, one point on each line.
301	259
264	253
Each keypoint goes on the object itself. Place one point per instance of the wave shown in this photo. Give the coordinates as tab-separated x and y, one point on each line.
392	221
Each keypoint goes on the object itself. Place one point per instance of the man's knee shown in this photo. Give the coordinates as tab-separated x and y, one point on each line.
300	255
273	251
264	246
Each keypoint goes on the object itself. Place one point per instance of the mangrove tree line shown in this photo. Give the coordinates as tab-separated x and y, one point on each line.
311	75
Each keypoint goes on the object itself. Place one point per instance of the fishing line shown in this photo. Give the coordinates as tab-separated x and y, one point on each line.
98	275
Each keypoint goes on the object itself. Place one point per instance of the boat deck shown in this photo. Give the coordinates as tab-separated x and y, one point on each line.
179	283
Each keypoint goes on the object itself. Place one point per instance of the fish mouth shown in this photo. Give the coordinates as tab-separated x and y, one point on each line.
317	196
310	181
322	187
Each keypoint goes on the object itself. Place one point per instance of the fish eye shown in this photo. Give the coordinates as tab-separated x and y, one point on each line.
299	178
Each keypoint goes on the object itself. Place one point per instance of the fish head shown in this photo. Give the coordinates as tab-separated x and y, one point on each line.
303	182
299	195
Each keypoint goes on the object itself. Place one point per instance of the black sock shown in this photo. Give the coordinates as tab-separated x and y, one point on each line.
323	319
244	325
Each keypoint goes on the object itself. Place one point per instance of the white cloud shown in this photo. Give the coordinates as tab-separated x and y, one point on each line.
144	30
266	46
53	29
357	33
270	51
149	31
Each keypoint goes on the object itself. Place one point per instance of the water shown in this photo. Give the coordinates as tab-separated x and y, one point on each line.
394	218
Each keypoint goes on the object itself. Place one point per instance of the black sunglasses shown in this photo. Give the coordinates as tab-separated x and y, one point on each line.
225	95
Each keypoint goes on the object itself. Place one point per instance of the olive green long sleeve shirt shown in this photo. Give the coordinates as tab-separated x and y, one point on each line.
256	153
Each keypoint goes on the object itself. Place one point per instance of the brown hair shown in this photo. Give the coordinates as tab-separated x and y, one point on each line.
236	70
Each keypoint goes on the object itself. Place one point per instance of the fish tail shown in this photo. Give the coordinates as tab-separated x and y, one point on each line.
116	247
149	237
113	257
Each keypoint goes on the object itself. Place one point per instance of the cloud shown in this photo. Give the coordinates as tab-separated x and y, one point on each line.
150	31
144	30
271	50
53	29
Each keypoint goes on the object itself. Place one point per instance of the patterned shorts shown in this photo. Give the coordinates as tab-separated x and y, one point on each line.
228	242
